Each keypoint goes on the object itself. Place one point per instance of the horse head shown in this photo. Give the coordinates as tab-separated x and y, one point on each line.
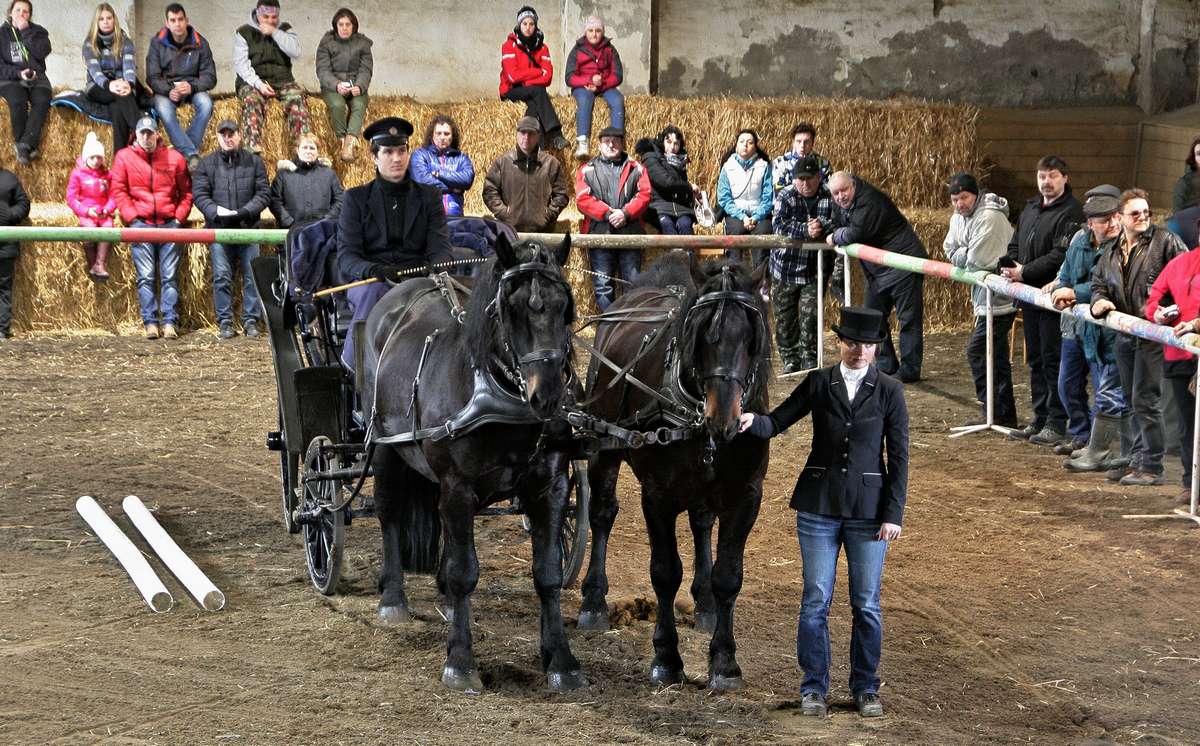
529	313
725	348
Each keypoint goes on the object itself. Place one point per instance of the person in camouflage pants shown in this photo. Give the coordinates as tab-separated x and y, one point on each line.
263	51
254	110
806	213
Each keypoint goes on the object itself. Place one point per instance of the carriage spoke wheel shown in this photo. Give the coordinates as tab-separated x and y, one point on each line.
324	536
573	538
289	475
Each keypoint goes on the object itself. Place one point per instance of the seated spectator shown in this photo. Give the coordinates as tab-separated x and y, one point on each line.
112	74
14	208
1187	188
23	81
180	71
263	51
804	136
305	189
745	191
441	164
594	69
612	191
230	187
526	187
152	189
89	195
344	66
672	195
526	72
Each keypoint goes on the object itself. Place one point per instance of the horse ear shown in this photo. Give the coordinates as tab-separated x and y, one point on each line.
756	277
697	273
563	251
505	252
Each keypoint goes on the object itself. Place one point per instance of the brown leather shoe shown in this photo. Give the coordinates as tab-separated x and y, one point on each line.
349	148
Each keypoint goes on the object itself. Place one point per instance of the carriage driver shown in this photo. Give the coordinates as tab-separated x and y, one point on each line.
388	225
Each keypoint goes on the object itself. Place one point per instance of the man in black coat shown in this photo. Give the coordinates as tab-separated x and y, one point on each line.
1036	253
865	215
230	187
848	495
14	207
389	225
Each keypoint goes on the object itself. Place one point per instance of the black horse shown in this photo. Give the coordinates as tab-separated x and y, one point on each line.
698	339
476	388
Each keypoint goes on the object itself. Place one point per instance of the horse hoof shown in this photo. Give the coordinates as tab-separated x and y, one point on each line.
706	621
467	682
593	620
390	615
565	682
718	683
663	676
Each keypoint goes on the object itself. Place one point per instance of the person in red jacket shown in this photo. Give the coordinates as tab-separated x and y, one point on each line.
594	69
152	189
1178	282
526	72
612	191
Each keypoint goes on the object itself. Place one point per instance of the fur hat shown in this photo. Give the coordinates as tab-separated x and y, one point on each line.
92	146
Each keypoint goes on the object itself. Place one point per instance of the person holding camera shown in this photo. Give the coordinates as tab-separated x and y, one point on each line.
344	66
23	83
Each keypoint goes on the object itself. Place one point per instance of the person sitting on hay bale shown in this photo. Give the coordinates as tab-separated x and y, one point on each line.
804	137
23	81
112	75
262	58
526	72
745	191
673	194
594	69
14	207
344	67
526	187
305	188
440	163
180	70
89	195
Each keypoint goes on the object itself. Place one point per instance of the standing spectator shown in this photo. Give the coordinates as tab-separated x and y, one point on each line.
805	213
263	51
526	187
848	498
804	137
440	163
978	236
612	191
1178	280
1187	188
112	74
344	67
1096	344
152	189
89	195
526	72
305	189
1121	281
180	70
594	69
745	191
866	215
230	187
1036	251
672	195
14	207
23	81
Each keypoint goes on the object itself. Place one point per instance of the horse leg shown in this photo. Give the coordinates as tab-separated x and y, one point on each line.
724	673
390	479
602	513
701	520
461	574
544	502
446	609
666	573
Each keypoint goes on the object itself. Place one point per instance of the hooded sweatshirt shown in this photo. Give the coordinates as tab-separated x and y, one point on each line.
976	242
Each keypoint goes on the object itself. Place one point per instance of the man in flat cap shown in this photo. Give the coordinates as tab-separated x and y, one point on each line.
389	225
526	187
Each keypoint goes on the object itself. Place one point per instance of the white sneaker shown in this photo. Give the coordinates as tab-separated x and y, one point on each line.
581	147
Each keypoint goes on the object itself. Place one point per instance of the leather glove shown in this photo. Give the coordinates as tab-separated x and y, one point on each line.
386	272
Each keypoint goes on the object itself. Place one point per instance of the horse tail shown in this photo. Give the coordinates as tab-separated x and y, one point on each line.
407	506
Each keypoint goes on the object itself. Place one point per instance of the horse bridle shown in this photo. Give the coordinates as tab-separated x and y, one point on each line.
495	309
720	298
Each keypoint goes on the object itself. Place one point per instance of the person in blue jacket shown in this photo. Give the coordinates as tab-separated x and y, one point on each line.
745	191
440	163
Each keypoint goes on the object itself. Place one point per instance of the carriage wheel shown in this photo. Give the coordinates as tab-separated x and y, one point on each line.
324	537
573	539
289	468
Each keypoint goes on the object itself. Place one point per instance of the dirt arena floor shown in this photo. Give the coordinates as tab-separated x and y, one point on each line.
1019	606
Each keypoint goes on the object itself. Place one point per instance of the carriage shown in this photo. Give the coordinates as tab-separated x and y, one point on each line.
321	430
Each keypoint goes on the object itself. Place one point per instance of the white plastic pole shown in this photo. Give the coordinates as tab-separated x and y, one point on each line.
820	308
143	576
846	277
988	396
1195	449
192	577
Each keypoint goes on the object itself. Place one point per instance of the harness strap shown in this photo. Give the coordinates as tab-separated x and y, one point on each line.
622	375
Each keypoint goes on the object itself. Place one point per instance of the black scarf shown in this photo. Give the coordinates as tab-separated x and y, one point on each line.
530	44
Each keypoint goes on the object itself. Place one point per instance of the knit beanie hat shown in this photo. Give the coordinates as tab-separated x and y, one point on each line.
526	12
92	146
593	22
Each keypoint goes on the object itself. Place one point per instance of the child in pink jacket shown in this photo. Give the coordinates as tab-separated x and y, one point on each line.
89	198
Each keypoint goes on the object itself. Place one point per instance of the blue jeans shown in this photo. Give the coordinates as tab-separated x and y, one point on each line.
607	261
361	300
223	257
187	142
165	258
675	226
820	539
1073	370
1110	398
585	100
